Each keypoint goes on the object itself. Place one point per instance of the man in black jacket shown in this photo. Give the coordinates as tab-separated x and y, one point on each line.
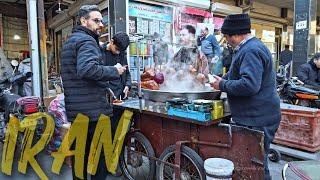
250	82
309	73
285	55
84	77
114	54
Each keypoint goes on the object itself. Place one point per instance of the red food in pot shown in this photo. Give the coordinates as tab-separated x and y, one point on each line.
159	78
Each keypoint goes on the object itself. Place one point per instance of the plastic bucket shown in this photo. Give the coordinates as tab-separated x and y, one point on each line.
218	168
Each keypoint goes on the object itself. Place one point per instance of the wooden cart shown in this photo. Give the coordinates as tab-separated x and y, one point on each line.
159	146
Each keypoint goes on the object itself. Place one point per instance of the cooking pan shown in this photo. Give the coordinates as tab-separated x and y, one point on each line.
163	96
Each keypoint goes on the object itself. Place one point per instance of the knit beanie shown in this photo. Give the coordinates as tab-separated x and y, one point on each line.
236	24
121	40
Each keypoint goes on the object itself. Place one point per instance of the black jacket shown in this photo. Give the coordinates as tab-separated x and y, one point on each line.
285	57
84	76
227	58
117	85
309	74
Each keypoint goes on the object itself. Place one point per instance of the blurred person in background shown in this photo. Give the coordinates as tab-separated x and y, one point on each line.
189	57
286	58
210	47
24	68
309	72
285	55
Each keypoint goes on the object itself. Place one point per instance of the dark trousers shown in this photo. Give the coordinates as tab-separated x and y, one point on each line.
102	171
115	120
269	132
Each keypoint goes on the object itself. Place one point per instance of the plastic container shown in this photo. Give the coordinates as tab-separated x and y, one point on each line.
217	109
133	48
218	168
299	128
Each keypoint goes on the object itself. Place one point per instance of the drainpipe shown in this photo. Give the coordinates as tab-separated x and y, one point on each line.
34	47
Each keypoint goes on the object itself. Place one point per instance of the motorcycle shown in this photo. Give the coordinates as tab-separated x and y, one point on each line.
293	91
11	103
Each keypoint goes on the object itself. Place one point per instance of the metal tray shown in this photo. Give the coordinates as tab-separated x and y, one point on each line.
163	96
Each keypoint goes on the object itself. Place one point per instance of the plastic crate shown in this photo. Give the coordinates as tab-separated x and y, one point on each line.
299	128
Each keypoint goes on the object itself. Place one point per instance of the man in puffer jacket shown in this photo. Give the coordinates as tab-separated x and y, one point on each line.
84	76
309	73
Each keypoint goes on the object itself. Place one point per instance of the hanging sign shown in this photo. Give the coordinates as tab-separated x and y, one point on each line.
150	12
268	36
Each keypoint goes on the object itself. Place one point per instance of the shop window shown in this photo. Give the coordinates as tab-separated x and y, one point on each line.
105	35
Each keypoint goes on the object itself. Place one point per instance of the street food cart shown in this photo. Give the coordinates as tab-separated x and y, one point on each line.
160	146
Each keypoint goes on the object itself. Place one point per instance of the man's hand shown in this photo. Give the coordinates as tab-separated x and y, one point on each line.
125	91
201	77
192	70
215	59
216	83
122	69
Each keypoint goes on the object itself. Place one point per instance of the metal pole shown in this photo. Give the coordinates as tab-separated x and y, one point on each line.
43	49
304	31
34	47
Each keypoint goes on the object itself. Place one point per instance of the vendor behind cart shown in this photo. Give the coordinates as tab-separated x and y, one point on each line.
250	82
189	57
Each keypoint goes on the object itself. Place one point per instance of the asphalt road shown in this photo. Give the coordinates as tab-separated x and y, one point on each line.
45	162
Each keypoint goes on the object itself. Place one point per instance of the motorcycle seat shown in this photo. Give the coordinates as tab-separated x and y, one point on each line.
305	90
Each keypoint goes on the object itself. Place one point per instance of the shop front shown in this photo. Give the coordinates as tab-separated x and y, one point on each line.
154	25
147	22
61	27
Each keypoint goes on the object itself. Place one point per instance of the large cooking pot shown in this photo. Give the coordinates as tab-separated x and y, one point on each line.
163	96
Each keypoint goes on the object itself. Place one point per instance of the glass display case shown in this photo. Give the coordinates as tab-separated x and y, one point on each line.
140	51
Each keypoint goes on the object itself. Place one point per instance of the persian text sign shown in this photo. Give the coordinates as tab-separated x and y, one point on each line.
150	12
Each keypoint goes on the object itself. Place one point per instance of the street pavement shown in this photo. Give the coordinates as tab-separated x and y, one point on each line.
45	162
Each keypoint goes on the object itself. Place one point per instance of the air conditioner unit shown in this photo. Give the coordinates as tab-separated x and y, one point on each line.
225	9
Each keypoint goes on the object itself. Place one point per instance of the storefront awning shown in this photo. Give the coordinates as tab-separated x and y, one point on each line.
202	4
198	12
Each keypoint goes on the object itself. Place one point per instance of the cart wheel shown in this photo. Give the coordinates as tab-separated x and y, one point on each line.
274	155
134	159
191	164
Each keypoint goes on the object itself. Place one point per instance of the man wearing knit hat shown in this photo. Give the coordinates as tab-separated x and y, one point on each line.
250	82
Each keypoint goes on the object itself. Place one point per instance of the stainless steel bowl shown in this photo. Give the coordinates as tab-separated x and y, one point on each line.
163	96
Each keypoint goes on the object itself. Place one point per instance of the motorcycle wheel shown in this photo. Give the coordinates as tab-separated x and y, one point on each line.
304	103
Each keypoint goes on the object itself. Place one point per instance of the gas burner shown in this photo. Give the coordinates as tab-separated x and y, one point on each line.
184	108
